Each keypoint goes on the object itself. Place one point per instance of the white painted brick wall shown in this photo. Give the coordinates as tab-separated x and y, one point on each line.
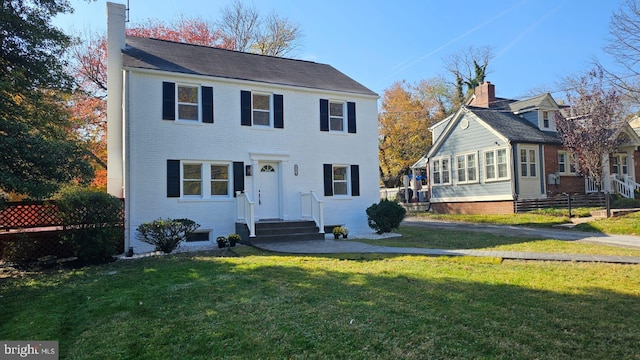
151	141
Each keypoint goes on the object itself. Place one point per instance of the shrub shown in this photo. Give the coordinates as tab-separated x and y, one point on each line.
385	216
93	220
625	203
166	234
22	251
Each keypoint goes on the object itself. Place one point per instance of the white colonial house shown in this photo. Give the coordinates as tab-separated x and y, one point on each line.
231	139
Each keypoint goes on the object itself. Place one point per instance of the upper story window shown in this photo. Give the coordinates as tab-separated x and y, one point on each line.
441	171
189	103
261	109
528	166
467	168
545	119
496	165
336	116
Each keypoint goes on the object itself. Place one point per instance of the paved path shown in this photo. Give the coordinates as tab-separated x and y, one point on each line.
346	246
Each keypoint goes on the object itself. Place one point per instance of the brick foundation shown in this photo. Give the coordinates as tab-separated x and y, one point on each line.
488	207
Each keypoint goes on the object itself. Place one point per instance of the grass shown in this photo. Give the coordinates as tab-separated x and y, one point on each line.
628	224
259	305
447	239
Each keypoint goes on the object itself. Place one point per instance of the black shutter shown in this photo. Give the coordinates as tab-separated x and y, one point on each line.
278	111
207	104
173	178
238	177
168	100
355	180
351	116
245	108
328	180
324	115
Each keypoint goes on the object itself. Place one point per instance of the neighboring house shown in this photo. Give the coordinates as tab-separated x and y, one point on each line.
495	151
224	138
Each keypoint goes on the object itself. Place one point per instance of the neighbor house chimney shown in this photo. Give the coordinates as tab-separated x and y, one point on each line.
116	18
485	95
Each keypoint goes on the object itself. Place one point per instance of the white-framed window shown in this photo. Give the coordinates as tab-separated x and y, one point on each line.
496	165
261	105
566	165
467	168
336	115
188	106
619	164
205	179
340	180
441	171
219	180
545	119
528	166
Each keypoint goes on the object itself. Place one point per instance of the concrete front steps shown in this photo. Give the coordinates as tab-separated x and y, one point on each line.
268	231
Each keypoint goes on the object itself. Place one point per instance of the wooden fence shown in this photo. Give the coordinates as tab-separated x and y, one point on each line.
38	223
560	201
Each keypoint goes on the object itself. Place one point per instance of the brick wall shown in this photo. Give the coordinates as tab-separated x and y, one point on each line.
487	207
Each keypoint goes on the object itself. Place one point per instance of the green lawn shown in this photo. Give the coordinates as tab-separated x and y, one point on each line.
446	239
259	305
625	225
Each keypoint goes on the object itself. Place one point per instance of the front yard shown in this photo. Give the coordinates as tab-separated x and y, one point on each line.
261	305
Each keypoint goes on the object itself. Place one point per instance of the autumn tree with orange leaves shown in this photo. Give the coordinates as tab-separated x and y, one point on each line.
406	113
276	37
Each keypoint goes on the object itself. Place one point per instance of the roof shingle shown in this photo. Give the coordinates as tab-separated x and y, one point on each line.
170	56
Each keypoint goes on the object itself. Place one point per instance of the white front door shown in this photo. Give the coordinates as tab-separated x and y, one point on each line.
268	190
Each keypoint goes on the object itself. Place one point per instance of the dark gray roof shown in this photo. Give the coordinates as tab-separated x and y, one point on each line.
527	104
513	127
170	56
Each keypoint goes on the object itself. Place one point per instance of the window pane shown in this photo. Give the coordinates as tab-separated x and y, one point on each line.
192	171
192	188
336	124
523	169
445	171
340	188
219	187
502	171
187	94
532	156
187	112
261	102
261	118
489	158
219	172
461	169
471	167
523	156
491	172
502	156
197	236
339	173
336	109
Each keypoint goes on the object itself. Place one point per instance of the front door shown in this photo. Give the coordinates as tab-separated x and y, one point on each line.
268	191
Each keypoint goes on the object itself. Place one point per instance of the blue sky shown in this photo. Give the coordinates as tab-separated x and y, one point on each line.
535	42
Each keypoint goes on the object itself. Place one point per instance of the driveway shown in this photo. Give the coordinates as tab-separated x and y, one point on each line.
528	232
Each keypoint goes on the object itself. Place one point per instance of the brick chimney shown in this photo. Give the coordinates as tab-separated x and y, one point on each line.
116	14
485	95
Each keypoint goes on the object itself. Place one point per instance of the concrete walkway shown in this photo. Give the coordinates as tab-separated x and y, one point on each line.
346	246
